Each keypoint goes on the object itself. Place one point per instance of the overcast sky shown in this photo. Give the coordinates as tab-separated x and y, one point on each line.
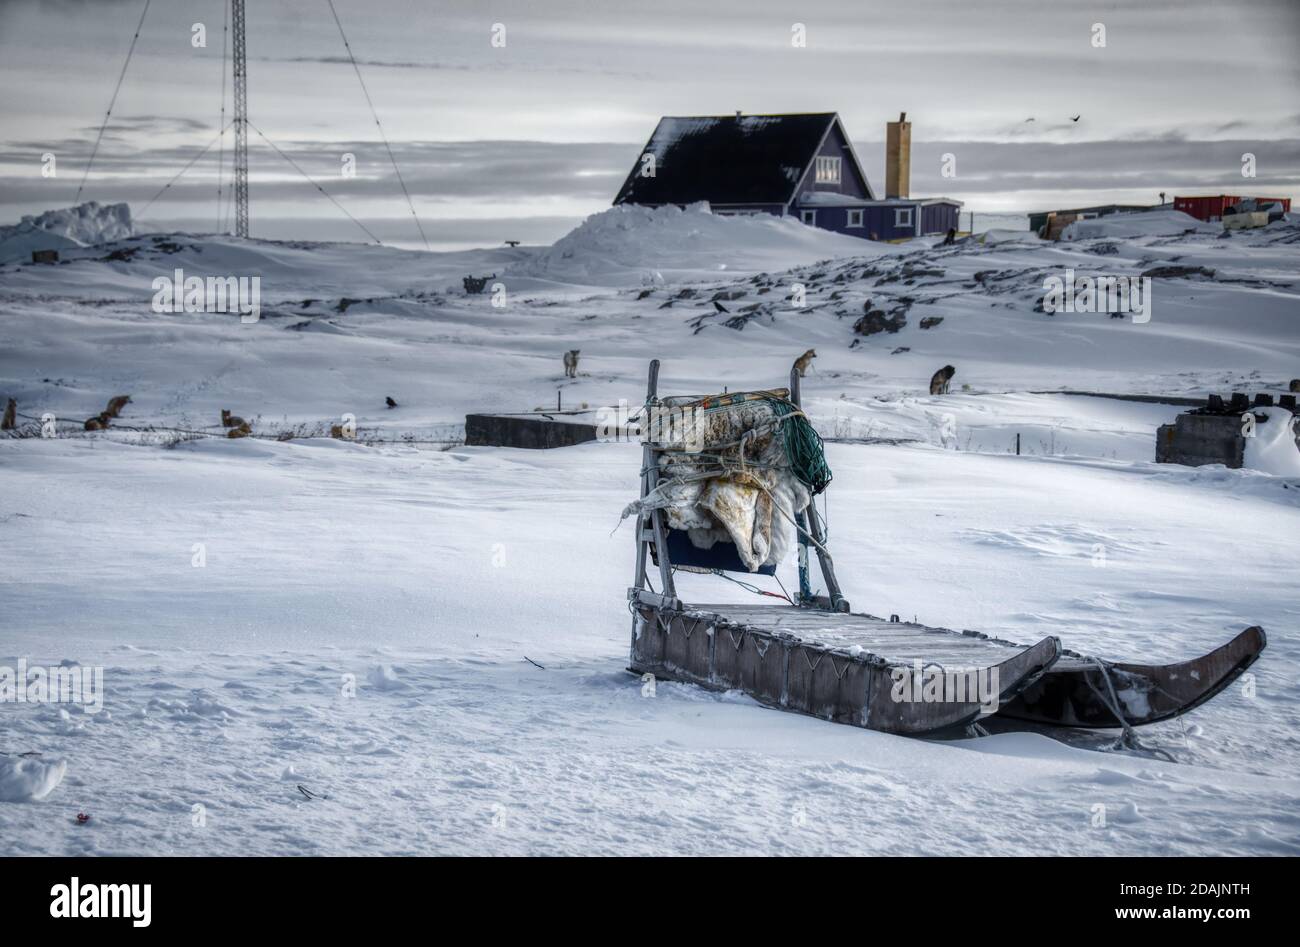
523	141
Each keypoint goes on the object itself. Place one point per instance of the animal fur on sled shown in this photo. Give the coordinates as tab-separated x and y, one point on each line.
739	487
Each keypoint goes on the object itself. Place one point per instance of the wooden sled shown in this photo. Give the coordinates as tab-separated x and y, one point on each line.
817	657
832	665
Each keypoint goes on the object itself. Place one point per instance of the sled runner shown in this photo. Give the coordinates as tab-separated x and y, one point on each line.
1077	691
815	656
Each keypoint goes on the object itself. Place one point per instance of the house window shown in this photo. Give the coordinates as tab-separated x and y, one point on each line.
828	170
809	217
903	217
855	218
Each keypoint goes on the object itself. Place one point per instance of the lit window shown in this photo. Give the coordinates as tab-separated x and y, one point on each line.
903	217
809	217
828	170
855	218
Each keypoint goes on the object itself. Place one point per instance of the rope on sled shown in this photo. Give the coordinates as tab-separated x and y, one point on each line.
803	447
1129	737
748	587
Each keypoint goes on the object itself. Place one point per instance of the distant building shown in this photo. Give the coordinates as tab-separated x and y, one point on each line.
786	165
1038	221
1213	208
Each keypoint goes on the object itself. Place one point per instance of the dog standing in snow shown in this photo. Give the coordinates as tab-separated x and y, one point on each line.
115	405
571	363
803	361
940	380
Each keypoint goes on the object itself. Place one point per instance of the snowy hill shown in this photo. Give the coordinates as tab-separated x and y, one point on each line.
628	244
359	616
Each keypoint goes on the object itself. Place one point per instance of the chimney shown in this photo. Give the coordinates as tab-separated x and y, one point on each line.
898	157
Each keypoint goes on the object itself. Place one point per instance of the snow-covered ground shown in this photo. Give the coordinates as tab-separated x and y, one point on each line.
363	620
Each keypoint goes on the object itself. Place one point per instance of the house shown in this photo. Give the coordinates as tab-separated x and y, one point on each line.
800	165
1038	221
1215	207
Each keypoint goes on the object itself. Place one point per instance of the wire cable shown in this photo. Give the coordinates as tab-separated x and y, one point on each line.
176	177
113	101
312	180
378	125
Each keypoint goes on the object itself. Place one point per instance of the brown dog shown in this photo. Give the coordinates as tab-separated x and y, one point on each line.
115	405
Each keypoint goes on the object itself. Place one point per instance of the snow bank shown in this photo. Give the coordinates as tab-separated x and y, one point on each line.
1156	223
65	229
27	778
1273	448
629	244
995	237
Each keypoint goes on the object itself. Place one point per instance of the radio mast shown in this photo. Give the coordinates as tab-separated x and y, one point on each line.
241	119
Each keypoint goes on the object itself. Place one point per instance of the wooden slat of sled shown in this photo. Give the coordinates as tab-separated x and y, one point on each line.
895	642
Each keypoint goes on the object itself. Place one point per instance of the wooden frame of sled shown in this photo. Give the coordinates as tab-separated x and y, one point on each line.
819	658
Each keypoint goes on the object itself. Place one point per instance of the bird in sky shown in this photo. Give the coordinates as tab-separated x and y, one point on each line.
1076	118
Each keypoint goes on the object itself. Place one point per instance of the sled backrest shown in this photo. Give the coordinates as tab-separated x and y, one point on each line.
670	548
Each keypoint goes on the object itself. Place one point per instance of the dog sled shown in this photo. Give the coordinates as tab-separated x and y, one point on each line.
812	653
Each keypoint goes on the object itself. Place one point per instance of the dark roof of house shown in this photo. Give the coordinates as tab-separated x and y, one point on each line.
727	159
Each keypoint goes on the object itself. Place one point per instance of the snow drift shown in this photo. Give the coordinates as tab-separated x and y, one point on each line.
1156	223
27	778
630	243
65	229
1273	449
999	236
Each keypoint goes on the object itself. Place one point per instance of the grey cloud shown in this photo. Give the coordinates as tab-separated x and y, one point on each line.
505	172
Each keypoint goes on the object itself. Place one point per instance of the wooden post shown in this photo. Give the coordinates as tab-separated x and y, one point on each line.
814	528
805	583
656	526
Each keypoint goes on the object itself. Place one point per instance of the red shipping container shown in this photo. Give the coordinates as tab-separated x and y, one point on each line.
1212	208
